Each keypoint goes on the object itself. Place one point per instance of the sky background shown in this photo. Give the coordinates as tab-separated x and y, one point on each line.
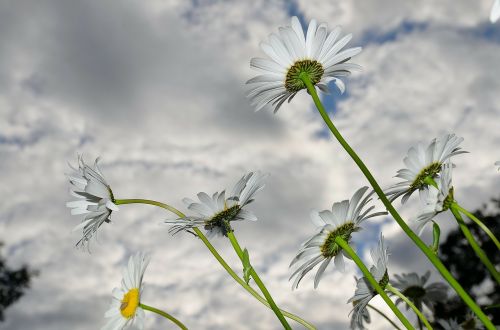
156	88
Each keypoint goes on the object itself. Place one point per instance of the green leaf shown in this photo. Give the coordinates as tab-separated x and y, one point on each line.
246	266
436	233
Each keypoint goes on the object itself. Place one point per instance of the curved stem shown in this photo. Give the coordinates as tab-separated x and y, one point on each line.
477	249
414	237
420	315
217	256
164	314
150	202
480	224
343	244
258	281
384	316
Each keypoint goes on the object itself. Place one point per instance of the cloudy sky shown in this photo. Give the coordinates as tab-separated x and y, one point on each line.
156	88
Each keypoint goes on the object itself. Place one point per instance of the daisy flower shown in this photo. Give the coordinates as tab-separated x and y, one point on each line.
420	293
94	198
495	11
450	324
364	290
471	322
125	307
318	53
423	163
342	221
436	199
217	212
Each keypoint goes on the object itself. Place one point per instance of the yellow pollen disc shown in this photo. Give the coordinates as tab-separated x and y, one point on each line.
130	302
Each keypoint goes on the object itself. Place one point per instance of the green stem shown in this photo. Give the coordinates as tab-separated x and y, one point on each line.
217	256
258	281
150	202
343	244
164	314
414	237
477	249
409	303
384	316
480	224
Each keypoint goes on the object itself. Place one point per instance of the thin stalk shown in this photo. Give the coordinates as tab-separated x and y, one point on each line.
164	314
414	237
150	202
343	244
384	316
477	249
217	256
420	315
258	281
480	224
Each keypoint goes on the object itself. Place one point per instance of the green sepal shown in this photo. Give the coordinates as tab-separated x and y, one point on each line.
246	266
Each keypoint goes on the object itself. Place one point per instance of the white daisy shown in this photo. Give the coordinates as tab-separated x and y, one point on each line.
436	200
364	290
450	324
342	221
423	163
319	54
94	198
125	309
471	322
495	11
215	213
415	287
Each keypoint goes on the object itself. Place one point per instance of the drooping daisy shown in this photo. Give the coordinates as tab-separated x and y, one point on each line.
423	163
125	310
318	54
420	293
495	11
450	324
94	198
364	290
436	200
217	212
342	221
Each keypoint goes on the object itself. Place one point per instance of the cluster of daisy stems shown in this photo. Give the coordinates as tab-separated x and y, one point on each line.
297	61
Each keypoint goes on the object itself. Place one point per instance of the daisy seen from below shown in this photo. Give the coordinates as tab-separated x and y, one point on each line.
415	288
125	307
342	221
216	213
94	198
319	54
364	290
422	164
437	198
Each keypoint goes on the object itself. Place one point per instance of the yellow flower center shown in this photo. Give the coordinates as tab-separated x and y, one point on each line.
130	302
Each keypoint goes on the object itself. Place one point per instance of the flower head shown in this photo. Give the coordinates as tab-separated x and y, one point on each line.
471	322
318	54
364	290
94	198
342	221
217	212
436	199
125	307
495	11
424	163
450	324
415	287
